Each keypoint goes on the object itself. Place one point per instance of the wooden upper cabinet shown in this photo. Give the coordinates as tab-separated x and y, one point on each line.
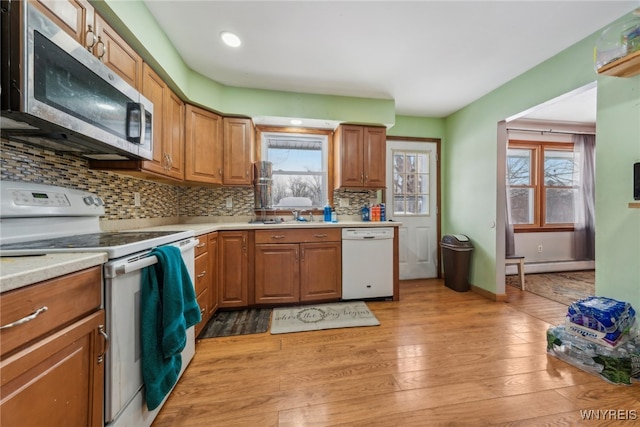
117	54
360	157
173	137
238	149
168	126
375	155
203	146
75	17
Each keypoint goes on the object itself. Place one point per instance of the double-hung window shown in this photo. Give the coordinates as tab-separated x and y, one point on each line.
542	178
299	168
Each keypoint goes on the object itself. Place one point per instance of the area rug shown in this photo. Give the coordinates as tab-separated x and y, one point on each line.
323	316
563	287
237	322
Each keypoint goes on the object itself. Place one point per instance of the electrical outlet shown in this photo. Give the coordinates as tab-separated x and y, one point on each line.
539	248
229	202
136	199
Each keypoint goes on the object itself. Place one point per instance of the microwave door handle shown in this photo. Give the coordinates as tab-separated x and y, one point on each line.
132	108
143	123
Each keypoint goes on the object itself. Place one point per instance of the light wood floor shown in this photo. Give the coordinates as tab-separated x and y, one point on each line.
438	358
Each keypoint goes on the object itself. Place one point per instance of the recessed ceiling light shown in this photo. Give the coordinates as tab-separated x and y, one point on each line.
230	39
296	122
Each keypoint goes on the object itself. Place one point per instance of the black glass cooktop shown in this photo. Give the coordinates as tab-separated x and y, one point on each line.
85	241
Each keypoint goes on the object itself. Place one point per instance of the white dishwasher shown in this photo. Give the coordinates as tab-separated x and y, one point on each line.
367	262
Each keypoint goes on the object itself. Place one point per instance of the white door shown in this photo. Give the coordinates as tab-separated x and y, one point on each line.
411	198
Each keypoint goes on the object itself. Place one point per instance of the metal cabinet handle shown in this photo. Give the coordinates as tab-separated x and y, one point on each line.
26	319
366	178
277	236
204	273
99	44
102	332
361	176
302	250
320	235
220	172
201	245
90	38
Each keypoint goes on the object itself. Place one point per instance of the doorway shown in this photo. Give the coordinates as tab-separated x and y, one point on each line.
555	121
413	198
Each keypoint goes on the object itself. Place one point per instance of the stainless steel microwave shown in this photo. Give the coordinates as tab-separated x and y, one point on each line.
57	95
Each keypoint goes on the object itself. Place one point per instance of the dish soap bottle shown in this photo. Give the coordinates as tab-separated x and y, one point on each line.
327	212
365	213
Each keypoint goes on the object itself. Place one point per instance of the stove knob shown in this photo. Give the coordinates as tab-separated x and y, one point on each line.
88	200
99	201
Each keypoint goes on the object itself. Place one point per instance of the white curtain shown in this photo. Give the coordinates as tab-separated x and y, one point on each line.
584	198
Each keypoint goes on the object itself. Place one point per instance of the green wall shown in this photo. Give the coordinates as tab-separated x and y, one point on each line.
617	225
417	127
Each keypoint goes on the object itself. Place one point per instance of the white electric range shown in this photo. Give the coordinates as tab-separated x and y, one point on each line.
37	219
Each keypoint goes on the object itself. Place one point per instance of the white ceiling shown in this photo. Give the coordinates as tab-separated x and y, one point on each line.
431	57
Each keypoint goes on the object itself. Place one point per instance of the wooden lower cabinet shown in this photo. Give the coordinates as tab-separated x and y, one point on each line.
321	271
306	266
277	276
233	269
54	374
202	278
213	267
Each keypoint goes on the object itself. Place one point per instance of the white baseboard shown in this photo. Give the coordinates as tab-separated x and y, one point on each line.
551	266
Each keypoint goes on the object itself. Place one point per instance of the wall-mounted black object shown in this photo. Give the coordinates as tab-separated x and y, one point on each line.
636	181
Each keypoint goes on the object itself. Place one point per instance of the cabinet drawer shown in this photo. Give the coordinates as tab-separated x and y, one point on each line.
201	247
203	302
201	273
293	235
66	298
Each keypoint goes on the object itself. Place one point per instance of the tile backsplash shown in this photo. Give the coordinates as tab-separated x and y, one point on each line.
20	162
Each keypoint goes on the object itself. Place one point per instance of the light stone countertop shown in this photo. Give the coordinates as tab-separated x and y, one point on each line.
16	272
201	228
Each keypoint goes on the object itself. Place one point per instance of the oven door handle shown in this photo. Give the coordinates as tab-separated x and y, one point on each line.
151	260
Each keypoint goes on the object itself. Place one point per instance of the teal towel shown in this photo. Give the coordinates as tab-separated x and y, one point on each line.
168	308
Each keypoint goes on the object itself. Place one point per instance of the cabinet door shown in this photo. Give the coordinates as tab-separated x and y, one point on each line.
203	146
277	273
153	88
374	146
173	135
351	156
75	17
202	283
58	380
213	268
320	271
117	54
233	268
238	142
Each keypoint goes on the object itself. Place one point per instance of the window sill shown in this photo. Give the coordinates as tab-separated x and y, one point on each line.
543	229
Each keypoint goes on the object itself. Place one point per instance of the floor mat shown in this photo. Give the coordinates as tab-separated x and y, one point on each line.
564	287
237	322
323	316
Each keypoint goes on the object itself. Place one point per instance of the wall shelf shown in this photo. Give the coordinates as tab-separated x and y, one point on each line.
634	205
627	66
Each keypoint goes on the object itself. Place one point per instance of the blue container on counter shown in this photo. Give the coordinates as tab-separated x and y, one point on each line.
365	213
